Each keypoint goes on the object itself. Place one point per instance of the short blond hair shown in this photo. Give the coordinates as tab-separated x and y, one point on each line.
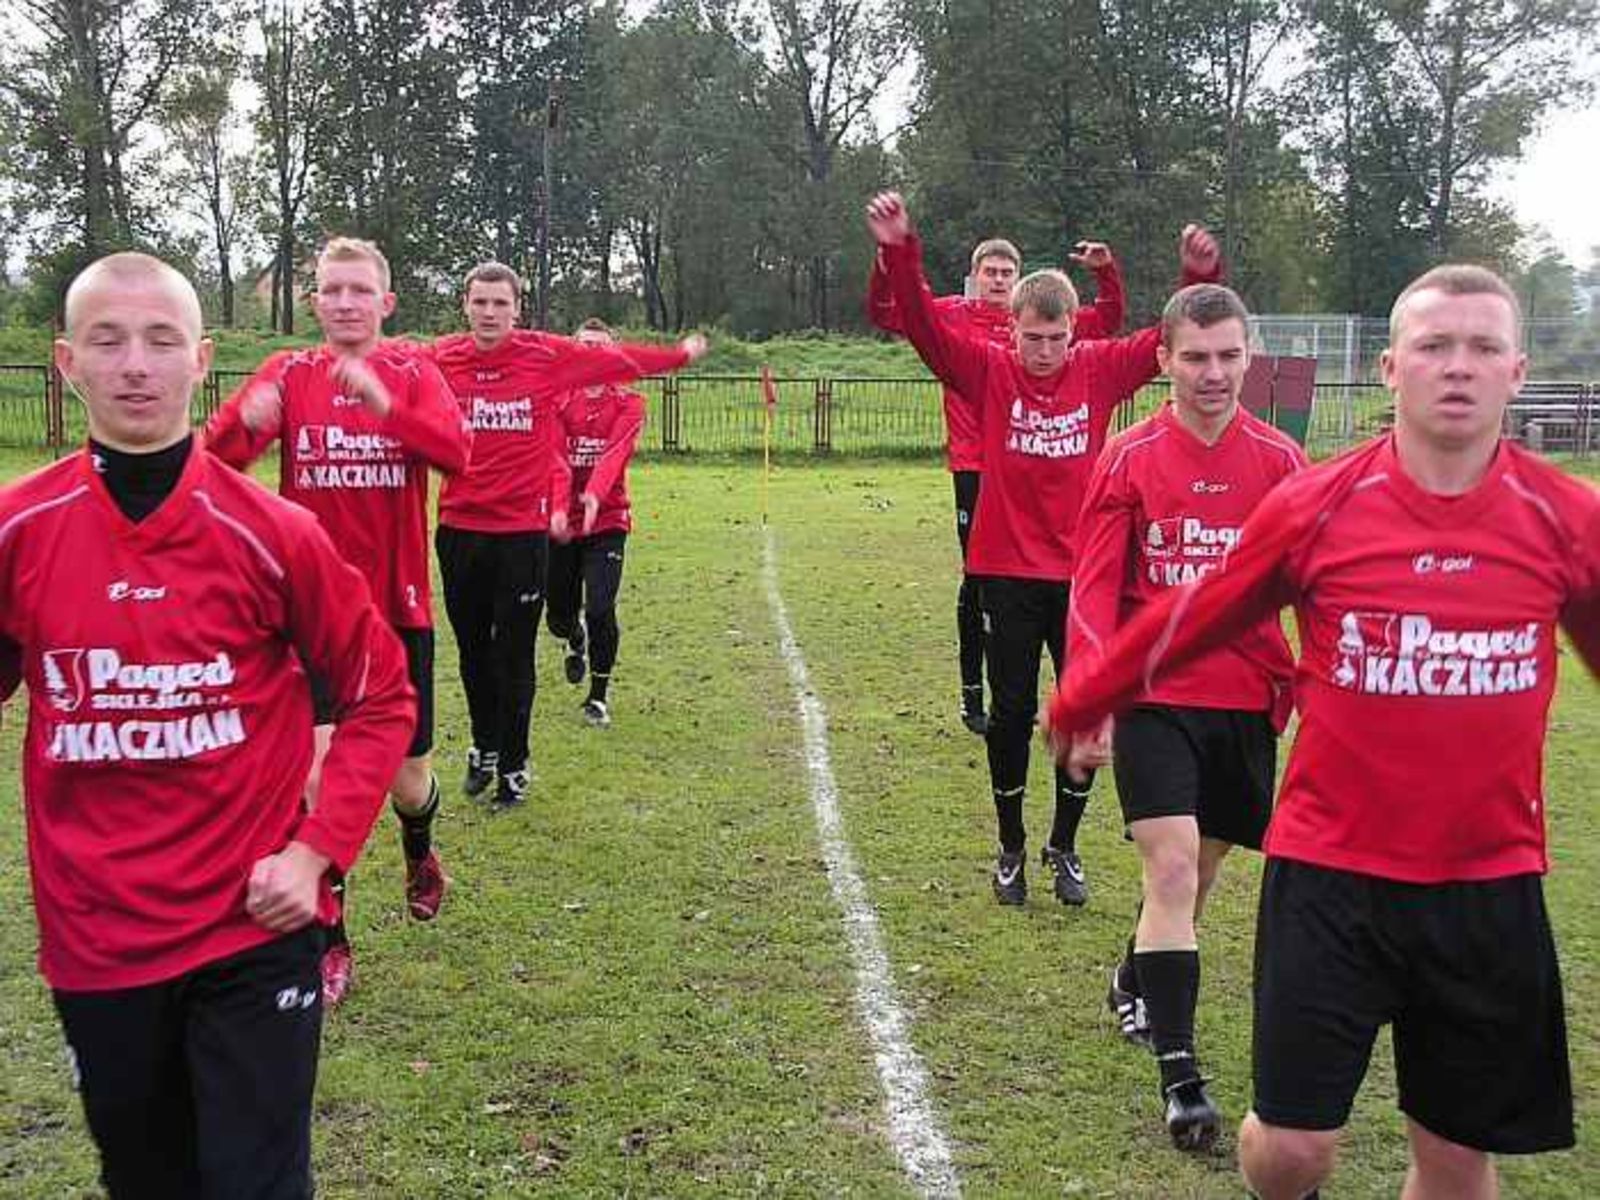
353	249
1049	293
996	248
132	267
1456	279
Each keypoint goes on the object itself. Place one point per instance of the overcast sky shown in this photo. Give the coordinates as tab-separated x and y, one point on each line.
1557	183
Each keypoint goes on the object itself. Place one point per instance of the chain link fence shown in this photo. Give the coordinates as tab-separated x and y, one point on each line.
725	414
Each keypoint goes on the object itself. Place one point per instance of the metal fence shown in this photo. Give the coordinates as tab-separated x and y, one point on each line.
723	414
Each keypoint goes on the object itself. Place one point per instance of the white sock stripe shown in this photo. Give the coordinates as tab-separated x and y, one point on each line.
915	1130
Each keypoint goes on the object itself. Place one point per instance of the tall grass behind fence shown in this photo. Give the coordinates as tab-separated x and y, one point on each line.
724	414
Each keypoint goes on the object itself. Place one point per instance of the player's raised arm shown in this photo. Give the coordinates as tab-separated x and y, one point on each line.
1104	317
959	362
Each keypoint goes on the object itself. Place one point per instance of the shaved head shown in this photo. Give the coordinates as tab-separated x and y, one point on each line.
130	269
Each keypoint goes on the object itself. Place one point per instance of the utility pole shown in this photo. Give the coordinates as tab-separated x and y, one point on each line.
552	120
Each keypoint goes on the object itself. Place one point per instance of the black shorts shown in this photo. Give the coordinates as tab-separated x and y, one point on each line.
1217	765
419	666
1466	974
202	1085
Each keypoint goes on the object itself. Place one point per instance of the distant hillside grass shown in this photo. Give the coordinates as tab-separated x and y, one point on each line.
803	355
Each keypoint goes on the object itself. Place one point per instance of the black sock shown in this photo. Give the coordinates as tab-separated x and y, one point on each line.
598	686
1008	808
1169	981
416	829
971	698
1071	800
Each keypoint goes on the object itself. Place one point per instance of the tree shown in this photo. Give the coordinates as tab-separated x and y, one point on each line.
98	72
289	127
1484	71
212	171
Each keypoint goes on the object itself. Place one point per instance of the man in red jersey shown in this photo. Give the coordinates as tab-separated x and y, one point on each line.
158	606
494	518
1044	405
986	315
1196	756
1428	569
597	429
360	421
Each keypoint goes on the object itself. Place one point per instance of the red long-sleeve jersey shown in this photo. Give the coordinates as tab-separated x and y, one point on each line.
598	436
985	322
1041	434
509	395
169	720
1427	664
364	476
1163	509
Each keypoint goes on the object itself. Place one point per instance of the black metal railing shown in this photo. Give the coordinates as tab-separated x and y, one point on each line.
725	414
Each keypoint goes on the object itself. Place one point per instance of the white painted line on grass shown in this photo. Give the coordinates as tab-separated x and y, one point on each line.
914	1128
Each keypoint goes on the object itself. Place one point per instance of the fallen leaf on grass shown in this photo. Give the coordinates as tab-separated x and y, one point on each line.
421	1066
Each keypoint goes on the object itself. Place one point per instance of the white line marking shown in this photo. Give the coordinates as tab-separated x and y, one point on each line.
914	1127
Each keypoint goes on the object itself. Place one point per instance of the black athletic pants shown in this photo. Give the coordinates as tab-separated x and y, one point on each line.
493	593
587	572
200	1087
1024	617
969	611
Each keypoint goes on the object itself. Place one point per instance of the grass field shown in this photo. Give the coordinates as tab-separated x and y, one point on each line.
640	985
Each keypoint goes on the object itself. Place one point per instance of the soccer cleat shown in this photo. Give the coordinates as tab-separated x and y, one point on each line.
1071	886
596	713
1011	878
972	714
425	886
338	974
513	790
1133	1022
1192	1120
576	664
480	771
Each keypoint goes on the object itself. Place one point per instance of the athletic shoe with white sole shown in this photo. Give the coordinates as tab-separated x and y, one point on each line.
1070	884
480	771
596	713
1011	878
1192	1120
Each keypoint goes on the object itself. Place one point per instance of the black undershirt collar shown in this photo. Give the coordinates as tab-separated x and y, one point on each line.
140	482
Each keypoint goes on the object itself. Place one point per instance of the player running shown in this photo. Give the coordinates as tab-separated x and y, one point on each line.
494	518
986	316
1196	756
590	519
158	607
360	421
1428	570
1044	406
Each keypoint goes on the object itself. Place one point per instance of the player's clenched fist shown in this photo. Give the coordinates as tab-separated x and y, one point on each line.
284	888
888	219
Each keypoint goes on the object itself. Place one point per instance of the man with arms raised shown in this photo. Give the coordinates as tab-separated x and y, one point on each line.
986	316
1196	756
360	421
158	606
494	518
1044	408
1428	570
